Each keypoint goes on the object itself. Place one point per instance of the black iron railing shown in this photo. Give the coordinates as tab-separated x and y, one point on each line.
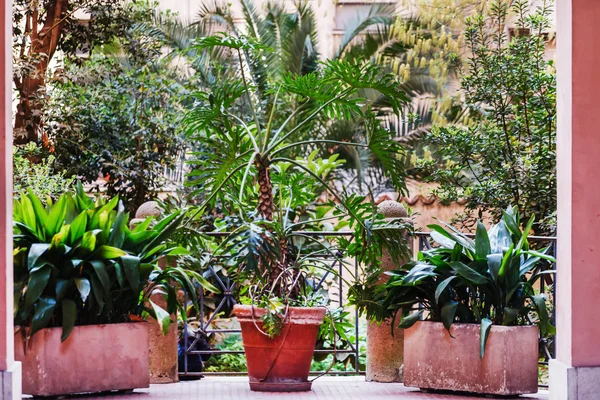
337	272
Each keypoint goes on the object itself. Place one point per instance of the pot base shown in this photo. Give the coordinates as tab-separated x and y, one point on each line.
280	386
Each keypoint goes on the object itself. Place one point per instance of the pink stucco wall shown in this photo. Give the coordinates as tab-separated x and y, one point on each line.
6	270
578	278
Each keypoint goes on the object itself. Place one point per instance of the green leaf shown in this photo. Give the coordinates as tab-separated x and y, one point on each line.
78	227
509	316
36	251
102	274
62	285
108	252
178	251
410	319
162	317
40	211
482	242
448	313
44	309
511	224
84	287
441	287
494	263
38	281
88	241
486	325
57	215
544	321
468	273
131	265
98	292
69	315
117	233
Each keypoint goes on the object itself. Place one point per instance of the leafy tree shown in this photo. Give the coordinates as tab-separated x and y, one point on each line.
35	173
40	30
119	114
508	156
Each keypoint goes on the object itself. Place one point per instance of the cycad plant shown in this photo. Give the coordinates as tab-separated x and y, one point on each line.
247	158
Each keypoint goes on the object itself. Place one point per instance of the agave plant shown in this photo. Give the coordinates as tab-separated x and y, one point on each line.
77	263
488	280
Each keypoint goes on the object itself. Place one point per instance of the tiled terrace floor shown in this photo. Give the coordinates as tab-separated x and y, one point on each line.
331	388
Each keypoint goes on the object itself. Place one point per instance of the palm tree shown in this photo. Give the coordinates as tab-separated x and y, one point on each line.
240	150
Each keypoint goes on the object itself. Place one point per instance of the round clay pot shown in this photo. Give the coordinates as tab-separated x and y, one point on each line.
282	363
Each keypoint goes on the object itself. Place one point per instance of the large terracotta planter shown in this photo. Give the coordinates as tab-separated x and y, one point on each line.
280	364
94	358
435	360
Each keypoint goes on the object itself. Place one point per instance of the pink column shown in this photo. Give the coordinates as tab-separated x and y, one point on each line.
10	371
575	374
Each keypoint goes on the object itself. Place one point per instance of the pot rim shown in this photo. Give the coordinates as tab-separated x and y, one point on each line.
296	315
461	324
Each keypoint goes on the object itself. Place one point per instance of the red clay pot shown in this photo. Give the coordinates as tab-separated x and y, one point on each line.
280	364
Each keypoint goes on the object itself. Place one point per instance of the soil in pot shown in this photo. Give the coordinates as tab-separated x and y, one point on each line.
281	363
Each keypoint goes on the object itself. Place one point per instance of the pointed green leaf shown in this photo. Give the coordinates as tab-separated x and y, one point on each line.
410	319
102	274
484	332
131	265
108	252
78	227
44	309
448	313
36	251
482	242
38	281
468	273
441	287
162	317
69	315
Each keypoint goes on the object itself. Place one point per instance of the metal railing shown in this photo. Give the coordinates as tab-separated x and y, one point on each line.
337	271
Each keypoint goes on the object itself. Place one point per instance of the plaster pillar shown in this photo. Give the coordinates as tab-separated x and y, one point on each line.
575	374
10	371
163	348
385	353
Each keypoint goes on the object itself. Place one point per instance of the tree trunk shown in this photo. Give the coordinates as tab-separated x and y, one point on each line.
265	200
28	121
265	208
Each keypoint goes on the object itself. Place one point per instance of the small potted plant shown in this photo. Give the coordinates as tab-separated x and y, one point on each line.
83	282
481	308
249	137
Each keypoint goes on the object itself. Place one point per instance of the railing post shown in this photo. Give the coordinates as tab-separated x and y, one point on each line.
385	353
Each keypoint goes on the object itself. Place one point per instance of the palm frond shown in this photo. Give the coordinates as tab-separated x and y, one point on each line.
379	15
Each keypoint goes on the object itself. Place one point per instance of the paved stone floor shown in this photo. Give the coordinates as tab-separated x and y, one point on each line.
331	388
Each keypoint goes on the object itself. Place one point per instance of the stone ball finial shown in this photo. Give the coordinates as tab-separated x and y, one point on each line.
148	209
392	209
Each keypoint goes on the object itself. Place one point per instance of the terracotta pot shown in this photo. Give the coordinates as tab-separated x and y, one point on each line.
94	358
435	360
280	364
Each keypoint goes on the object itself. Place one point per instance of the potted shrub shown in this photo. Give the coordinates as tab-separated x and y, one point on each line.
83	282
480	305
249	135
